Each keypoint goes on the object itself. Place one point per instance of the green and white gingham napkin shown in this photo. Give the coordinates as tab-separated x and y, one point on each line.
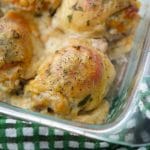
20	135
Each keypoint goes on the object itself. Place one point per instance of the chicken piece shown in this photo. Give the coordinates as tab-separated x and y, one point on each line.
122	23
15	50
36	5
73	79
121	28
88	16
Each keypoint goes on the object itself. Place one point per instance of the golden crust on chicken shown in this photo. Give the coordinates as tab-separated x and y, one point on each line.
20	48
74	79
35	5
121	27
15	50
122	23
88	16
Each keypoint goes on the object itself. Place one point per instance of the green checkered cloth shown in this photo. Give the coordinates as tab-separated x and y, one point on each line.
21	135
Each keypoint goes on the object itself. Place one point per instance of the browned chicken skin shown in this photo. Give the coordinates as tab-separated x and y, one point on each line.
35	5
15	50
73	79
88	16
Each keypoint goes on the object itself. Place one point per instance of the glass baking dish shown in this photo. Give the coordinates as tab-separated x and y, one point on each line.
123	116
